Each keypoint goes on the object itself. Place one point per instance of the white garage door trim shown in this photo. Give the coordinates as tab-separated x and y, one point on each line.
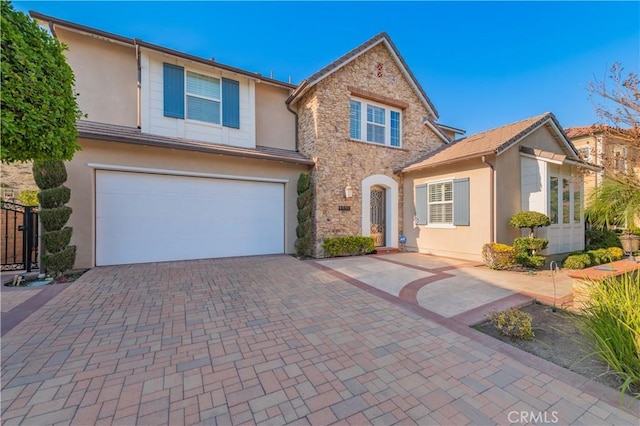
119	168
151	217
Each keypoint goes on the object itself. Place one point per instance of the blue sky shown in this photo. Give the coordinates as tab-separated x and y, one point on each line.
482	64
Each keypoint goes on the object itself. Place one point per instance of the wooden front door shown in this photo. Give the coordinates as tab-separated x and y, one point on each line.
378	217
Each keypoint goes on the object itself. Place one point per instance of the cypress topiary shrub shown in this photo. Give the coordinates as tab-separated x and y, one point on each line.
54	219
54	197
50	175
304	230
55	241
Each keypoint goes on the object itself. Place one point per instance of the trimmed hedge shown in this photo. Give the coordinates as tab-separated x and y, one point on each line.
530	260
49	173
498	256
56	241
348	246
54	197
60	261
530	245
54	219
592	258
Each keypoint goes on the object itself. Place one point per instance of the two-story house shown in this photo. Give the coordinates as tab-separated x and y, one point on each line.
186	158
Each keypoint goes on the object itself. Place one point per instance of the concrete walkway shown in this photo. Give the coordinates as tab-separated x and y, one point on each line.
452	288
272	340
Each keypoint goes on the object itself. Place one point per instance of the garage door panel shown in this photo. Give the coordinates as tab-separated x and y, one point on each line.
146	218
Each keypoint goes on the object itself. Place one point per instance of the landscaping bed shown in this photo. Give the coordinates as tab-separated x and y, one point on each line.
559	340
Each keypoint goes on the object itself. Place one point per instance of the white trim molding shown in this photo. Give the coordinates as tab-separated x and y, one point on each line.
391	202
119	168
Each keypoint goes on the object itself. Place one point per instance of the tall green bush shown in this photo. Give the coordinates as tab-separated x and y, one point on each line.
304	230
49	175
612	321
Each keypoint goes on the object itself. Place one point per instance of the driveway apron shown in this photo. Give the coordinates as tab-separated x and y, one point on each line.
271	340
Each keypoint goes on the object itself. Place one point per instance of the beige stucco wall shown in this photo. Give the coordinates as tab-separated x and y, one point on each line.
275	125
464	242
81	181
324	135
106	78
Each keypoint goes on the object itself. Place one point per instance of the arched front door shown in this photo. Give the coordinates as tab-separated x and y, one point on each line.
378	215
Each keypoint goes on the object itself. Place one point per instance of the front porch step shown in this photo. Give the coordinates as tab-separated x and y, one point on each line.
386	250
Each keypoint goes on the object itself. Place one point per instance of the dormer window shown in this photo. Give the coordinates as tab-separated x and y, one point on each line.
375	123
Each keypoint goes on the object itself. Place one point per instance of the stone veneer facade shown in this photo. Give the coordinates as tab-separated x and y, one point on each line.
324	136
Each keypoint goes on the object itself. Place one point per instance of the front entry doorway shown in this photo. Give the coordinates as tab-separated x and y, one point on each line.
378	216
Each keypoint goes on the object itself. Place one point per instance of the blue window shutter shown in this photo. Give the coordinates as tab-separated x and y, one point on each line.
421	204
173	91
230	103
461	206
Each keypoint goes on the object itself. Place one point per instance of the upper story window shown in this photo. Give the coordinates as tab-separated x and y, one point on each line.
207	99
585	153
374	123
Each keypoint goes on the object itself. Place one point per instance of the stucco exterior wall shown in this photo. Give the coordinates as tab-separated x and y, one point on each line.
275	125
105	75
81	181
464	242
340	161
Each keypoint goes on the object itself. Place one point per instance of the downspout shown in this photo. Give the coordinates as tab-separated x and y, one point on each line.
492	186
139	86
296	121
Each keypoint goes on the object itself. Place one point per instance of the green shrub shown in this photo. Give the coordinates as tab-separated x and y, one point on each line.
530	245
529	219
61	261
348	246
55	219
498	256
28	197
612	320
593	258
615	253
304	229
513	323
601	238
577	261
530	260
49	173
54	197
55	241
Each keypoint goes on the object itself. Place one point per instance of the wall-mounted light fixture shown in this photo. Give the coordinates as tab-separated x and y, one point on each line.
348	191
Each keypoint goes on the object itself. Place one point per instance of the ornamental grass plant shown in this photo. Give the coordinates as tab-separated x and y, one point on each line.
612	320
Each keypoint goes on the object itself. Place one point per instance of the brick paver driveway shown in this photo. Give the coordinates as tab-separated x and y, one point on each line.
268	339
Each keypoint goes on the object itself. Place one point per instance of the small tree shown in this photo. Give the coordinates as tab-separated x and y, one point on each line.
529	245
38	107
305	215
50	175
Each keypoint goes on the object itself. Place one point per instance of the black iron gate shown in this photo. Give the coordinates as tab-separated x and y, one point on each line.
19	237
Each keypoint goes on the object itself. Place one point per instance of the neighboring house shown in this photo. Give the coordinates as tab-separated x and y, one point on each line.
600	145
187	158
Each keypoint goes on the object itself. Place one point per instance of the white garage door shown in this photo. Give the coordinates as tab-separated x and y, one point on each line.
150	218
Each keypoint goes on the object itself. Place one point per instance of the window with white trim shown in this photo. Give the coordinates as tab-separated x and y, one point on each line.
203	98
585	153
440	202
375	123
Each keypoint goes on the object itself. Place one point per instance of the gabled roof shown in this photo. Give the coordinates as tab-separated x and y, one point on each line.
382	38
494	141
133	42
132	135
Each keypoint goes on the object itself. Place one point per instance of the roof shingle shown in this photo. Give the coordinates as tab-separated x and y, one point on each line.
132	135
